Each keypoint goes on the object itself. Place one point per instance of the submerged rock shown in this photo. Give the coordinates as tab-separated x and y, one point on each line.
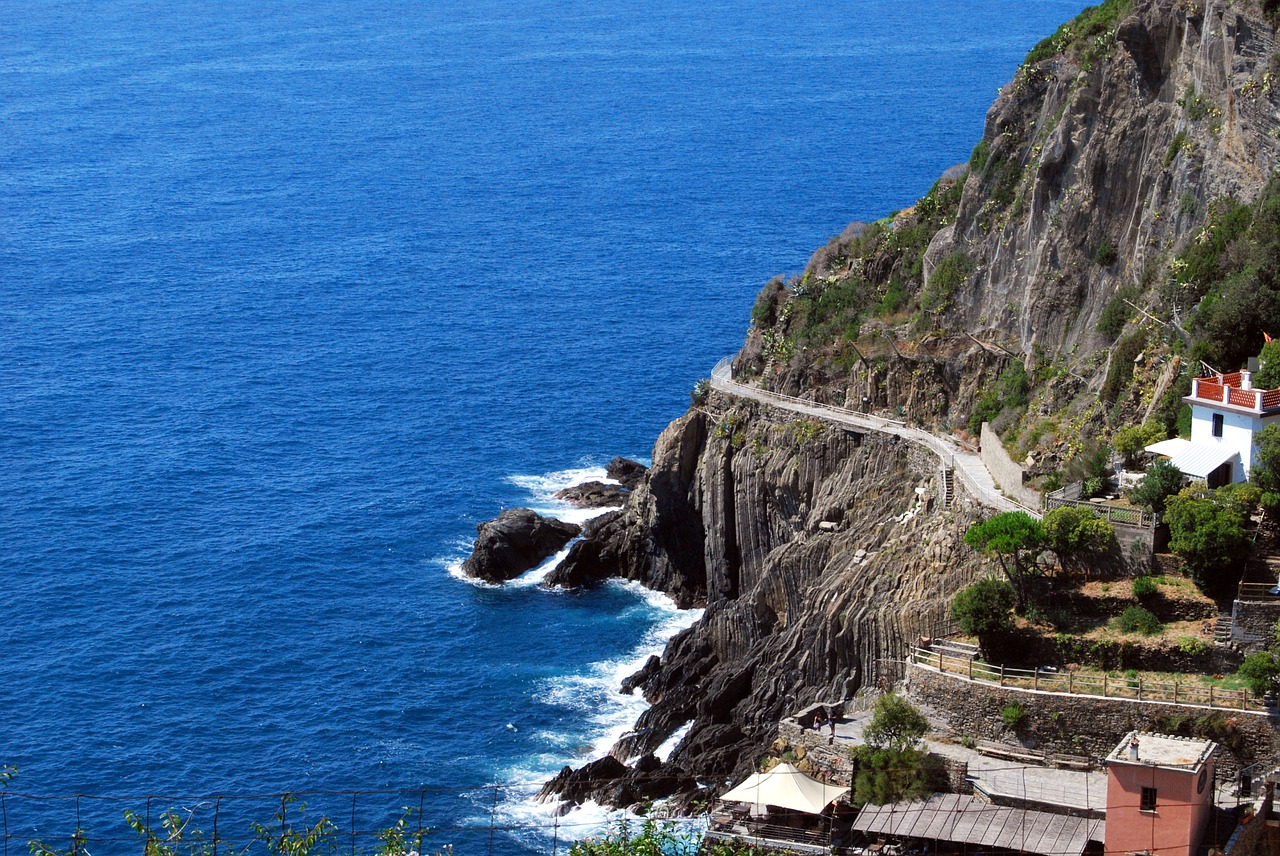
515	541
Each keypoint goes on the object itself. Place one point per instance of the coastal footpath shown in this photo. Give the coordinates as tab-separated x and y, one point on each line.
1114	226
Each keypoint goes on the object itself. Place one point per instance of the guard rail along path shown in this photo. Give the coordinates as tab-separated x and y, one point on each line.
1191	693
977	479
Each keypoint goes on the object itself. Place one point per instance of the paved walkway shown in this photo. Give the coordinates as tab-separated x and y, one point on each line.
977	479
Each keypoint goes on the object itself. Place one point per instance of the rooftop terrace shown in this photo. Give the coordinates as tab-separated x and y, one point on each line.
1161	750
1234	389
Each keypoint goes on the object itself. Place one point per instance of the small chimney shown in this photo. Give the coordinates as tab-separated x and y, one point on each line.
1133	749
1246	379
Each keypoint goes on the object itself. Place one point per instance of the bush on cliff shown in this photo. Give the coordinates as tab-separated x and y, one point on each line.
985	610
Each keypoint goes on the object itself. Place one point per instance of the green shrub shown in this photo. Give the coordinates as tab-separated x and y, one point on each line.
1093	486
764	313
1010	390
700	392
884	775
1076	533
1268	374
1196	104
1260	672
1234	263
1105	254
1093	24
1210	537
985	610
1193	646
1144	587
1131	440
1120	371
947	278
896	724
1161	481
1137	619
1013	715
1117	311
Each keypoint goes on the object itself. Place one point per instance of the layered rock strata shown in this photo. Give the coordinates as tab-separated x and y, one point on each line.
817	552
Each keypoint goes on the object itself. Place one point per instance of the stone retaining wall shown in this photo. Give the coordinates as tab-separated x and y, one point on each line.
1121	598
1087	725
1253	623
1008	475
814	755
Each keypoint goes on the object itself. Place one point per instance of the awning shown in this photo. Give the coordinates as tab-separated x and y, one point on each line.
1199	461
1168	448
962	819
785	787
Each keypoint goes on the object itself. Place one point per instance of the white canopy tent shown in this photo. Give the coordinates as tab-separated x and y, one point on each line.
785	787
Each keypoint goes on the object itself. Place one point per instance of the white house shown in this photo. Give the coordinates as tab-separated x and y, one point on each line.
1226	415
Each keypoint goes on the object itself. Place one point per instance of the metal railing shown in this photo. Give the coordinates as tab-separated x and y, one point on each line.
1111	513
477	819
1098	685
1258	591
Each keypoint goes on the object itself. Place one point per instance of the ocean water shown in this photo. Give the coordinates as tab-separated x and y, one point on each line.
292	295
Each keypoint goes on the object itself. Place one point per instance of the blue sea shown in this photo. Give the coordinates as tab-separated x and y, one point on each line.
293	295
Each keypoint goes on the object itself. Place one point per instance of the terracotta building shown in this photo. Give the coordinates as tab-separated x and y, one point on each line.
1159	794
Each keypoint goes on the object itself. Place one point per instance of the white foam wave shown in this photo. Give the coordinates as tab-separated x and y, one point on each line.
664	751
609	714
543	489
454	569
537	575
546	485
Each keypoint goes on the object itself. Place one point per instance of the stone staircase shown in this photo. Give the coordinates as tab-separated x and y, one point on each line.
948	486
1222	629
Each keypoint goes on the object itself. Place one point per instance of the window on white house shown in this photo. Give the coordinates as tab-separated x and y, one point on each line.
1217	424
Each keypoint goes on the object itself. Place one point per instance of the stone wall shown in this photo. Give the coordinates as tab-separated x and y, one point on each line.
1253	623
1137	547
814	755
1008	475
1255	837
1088	725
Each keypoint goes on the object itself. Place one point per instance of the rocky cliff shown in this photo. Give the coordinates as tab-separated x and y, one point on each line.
1048	274
818	552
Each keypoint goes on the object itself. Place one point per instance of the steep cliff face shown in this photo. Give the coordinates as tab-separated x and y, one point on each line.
1104	163
820	553
1099	161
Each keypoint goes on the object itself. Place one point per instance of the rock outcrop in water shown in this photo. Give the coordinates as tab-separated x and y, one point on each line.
517	540
820	553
